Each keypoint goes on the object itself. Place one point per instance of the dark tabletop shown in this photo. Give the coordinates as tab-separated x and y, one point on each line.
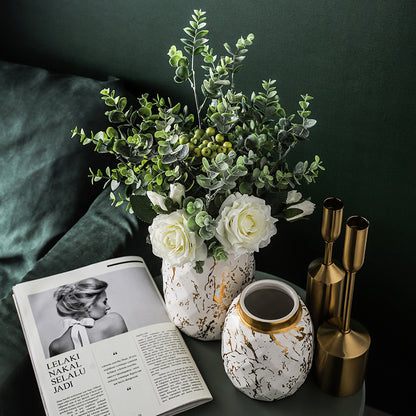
308	400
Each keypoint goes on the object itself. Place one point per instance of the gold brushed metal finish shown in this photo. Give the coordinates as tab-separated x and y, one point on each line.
331	219
283	325
341	358
343	344
356	233
325	276
324	291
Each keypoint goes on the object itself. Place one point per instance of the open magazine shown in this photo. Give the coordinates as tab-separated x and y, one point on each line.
101	343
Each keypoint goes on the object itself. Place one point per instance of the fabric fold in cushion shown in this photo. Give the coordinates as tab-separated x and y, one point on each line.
44	184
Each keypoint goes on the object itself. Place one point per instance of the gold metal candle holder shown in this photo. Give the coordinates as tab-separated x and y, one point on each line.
343	344
325	276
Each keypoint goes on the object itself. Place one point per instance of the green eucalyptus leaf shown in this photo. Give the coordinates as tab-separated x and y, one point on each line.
142	208
145	112
200	217
182	72
100	136
116	116
203	181
172	50
300	132
309	123
246	188
164	149
174	60
189	31
181	152
122	103
188	42
169	158
199	50
199	266
202	33
199	204
205	234
112	132
191	224
109	101
114	185
183	61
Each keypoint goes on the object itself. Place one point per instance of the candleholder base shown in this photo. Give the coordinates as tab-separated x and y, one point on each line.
324	291
341	357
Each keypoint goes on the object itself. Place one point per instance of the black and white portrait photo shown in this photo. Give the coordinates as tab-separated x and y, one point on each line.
95	308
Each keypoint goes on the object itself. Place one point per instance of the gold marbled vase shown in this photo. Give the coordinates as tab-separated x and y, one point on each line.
343	344
197	302
267	342
325	277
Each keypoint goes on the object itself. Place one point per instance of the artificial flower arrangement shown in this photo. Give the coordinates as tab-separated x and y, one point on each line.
213	184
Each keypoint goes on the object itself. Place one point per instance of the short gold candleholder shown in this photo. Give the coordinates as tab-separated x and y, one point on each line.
325	277
342	344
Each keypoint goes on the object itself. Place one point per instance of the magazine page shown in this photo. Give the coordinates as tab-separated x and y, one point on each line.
122	358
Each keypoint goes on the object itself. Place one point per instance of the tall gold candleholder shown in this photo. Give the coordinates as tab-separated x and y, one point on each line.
343	344
325	277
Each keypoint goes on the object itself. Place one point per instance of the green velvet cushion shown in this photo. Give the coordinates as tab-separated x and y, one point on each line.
52	219
44	184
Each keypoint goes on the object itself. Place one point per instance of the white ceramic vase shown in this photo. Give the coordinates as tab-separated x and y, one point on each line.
267	342
197	303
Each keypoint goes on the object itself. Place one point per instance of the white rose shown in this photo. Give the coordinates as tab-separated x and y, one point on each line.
177	192
157	199
307	208
293	197
245	224
174	242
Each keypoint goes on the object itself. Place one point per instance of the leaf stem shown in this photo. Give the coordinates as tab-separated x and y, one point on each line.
193	84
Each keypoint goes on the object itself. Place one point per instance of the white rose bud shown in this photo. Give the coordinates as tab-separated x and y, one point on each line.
174	242
177	192
293	197
245	224
157	199
307	208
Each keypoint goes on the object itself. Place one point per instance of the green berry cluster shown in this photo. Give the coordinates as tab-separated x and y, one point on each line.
206	143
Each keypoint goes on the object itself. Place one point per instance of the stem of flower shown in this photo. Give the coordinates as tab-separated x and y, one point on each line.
289	149
203	103
232	72
193	84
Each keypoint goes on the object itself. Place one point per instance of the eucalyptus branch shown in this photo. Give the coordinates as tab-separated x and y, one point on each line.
234	143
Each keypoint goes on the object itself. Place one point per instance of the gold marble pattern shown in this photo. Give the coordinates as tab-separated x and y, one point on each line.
267	365
197	303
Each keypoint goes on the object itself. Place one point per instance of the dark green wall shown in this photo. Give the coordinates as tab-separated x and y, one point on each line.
357	58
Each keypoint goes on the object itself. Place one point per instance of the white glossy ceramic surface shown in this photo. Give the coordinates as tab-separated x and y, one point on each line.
197	302
268	365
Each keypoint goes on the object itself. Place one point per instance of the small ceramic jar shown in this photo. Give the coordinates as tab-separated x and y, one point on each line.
267	341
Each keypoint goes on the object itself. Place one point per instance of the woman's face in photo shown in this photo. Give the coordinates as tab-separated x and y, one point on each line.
100	307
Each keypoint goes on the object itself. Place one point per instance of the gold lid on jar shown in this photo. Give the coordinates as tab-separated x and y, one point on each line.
269	306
